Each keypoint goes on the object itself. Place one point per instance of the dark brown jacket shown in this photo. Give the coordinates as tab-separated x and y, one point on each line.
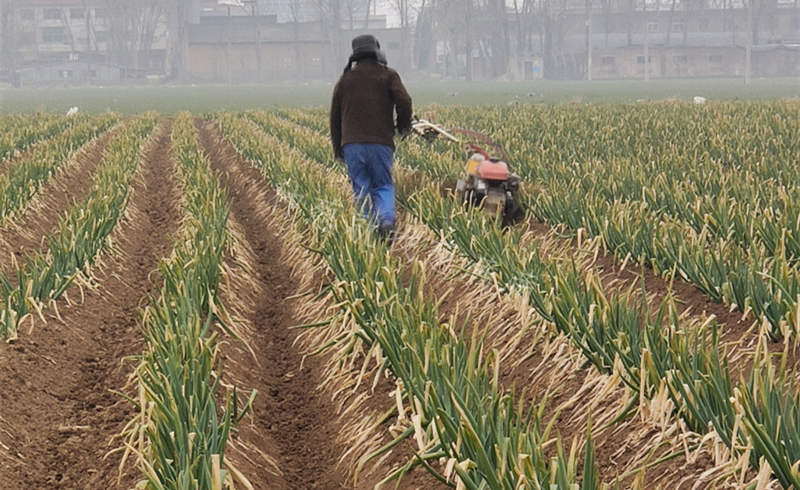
364	101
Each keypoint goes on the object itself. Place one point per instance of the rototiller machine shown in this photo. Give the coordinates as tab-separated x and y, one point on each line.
487	182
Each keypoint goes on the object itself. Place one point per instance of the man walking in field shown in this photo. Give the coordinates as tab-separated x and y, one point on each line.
362	129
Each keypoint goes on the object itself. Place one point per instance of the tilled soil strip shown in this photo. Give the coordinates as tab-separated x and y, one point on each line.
734	329
302	424
619	446
540	364
688	297
72	183
616	447
59	412
288	407
738	335
19	155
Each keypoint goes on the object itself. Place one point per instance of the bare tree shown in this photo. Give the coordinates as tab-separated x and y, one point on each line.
177	18
403	9
132	28
669	22
366	14
424	37
330	17
294	10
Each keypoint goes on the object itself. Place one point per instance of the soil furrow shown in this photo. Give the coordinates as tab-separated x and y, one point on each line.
27	232
59	410
543	363
738	334
289	407
19	155
540	367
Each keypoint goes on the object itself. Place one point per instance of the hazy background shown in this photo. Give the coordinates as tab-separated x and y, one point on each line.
132	55
206	98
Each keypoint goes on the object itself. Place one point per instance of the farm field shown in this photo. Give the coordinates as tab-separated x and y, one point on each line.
189	302
170	99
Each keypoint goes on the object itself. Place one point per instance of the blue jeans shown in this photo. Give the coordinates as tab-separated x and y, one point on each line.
370	169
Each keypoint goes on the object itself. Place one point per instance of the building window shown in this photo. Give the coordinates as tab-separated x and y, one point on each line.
92	73
53	35
652	27
76	13
640	59
65	74
100	14
101	36
715	59
677	27
608	60
27	15
680	59
703	25
52	14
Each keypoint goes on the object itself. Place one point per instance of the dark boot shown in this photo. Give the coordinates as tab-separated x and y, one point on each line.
386	233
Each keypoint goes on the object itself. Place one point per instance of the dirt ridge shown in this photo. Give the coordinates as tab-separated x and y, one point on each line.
345	434
59	408
27	232
289	407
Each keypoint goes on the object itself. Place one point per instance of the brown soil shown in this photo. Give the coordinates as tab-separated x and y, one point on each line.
289	408
59	412
615	447
738	335
298	421
18	156
560	379
27	233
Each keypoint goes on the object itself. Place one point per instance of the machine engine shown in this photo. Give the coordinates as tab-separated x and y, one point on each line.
490	185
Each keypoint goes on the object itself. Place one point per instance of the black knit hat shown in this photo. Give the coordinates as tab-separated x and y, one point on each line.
365	43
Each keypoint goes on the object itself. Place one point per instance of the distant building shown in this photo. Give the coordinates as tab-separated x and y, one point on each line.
88	41
609	39
281	10
70	41
680	40
240	48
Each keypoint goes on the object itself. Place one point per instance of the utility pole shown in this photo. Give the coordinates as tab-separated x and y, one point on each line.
469	40
9	40
404	34
749	45
589	40
257	28
646	44
228	47
4	37
337	29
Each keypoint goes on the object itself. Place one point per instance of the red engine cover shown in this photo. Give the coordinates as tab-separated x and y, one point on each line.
489	170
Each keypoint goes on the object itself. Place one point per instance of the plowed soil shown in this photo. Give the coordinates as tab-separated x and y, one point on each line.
26	233
297	420
59	412
289	409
